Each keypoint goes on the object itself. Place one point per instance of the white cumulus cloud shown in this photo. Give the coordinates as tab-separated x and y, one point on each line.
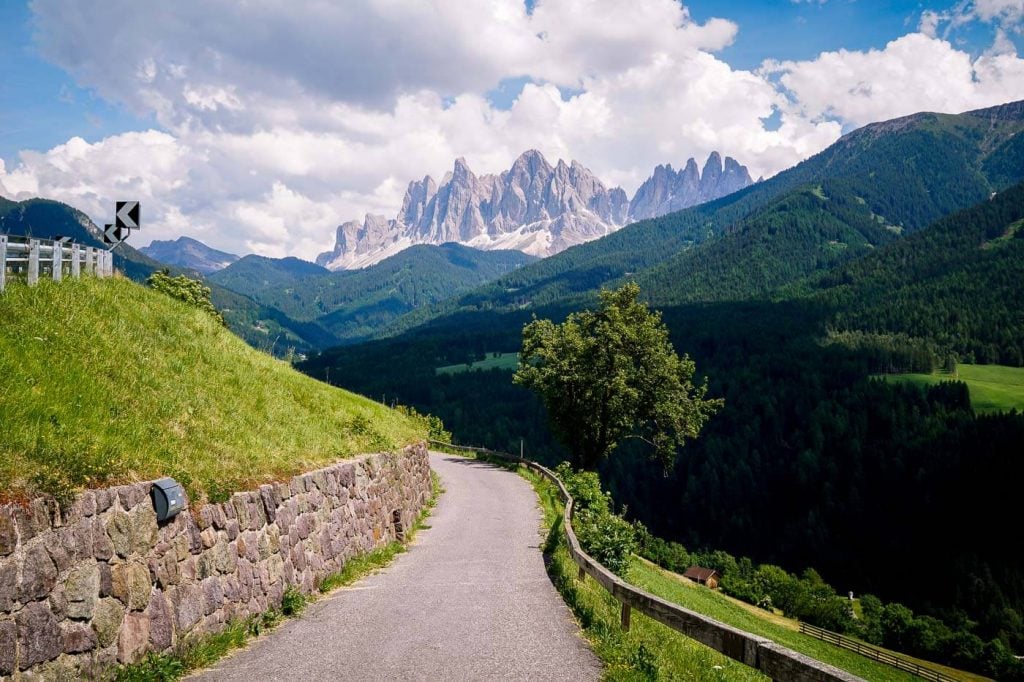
277	124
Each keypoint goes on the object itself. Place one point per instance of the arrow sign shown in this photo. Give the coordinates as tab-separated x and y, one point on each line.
127	215
112	234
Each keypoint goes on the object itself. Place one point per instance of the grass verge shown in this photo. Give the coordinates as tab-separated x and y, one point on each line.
202	652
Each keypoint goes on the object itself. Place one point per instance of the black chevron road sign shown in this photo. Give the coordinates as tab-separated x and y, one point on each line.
113	234
127	215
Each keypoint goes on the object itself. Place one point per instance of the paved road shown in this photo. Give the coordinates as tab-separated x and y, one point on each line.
469	601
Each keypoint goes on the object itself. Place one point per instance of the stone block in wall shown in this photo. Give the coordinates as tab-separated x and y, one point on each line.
188	601
81	590
131	585
78	638
119	530
102	547
39	635
8	584
8	532
38	574
107	621
133	639
8	646
161	627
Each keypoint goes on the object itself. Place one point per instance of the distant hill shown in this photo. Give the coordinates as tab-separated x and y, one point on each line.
190	254
355	304
254	275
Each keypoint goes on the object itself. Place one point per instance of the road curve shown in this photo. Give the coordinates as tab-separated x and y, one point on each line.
469	601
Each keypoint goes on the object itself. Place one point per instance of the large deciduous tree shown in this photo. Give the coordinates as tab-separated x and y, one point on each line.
610	374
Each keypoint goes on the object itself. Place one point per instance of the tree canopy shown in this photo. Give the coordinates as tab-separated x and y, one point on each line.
609	374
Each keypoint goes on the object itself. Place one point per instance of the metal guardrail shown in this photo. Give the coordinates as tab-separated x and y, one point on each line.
29	259
875	653
774	660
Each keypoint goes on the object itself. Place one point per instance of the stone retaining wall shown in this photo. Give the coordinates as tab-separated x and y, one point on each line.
100	583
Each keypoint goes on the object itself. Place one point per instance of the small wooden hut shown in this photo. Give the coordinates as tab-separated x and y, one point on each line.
704	576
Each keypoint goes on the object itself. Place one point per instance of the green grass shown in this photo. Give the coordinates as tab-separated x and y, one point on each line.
993	388
105	381
509	361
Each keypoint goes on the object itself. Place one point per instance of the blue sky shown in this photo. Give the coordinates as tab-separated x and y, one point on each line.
42	106
260	127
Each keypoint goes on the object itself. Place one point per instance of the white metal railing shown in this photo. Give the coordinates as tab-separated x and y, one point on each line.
28	259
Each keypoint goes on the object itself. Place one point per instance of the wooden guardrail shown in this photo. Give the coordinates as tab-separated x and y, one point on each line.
29	259
875	653
774	660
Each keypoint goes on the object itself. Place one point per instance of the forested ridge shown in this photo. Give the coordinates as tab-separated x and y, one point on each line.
349	305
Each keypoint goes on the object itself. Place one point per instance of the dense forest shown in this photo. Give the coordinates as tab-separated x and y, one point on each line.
890	489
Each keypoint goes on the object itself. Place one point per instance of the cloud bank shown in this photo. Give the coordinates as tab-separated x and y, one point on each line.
277	125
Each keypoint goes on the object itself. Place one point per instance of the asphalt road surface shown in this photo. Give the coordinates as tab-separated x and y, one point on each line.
470	600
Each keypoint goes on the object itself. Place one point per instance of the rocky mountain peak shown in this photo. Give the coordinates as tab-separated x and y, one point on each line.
667	191
532	207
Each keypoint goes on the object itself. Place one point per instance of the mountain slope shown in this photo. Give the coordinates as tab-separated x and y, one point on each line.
117	382
957	285
190	254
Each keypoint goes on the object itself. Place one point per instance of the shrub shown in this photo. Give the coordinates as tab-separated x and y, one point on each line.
604	535
185	289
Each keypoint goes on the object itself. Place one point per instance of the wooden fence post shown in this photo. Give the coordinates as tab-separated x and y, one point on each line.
3	261
76	260
90	260
582	575
33	262
624	620
57	266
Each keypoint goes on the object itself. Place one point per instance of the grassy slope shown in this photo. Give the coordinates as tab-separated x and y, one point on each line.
106	381
782	630
994	388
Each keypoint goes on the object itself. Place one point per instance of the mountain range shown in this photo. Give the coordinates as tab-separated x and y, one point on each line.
533	207
189	253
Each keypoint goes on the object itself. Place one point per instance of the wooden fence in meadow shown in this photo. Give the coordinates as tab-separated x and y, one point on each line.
29	260
875	653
